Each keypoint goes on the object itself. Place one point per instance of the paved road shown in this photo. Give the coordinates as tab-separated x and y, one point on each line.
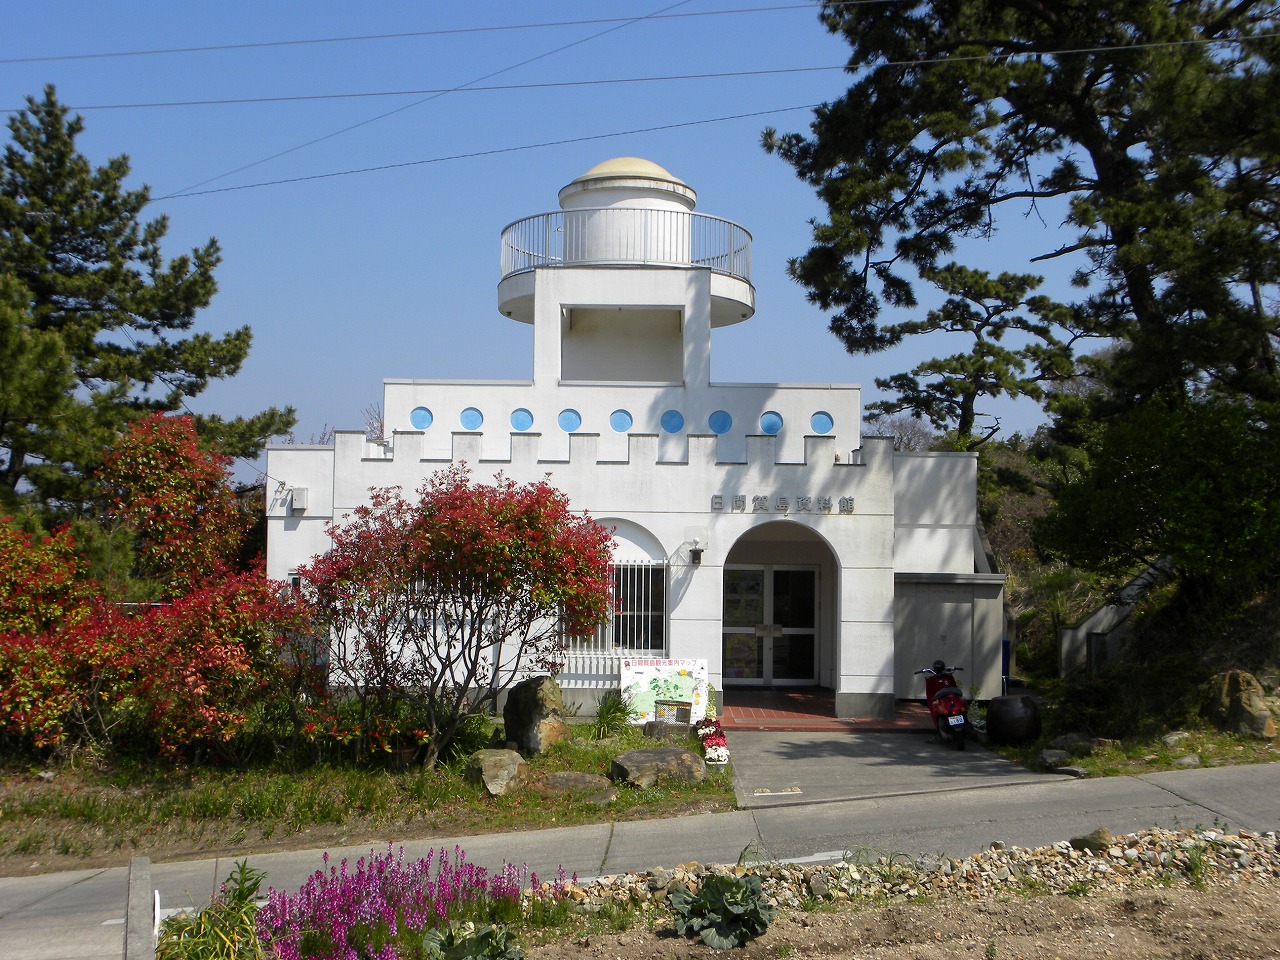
890	793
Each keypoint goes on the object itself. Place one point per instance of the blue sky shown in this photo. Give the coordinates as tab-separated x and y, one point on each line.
392	273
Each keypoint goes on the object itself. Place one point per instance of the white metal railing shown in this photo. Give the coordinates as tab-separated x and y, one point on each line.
626	235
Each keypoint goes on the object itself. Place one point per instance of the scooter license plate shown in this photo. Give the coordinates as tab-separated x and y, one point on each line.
955	721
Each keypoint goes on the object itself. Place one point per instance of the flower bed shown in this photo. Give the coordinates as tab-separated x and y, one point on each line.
381	908
715	747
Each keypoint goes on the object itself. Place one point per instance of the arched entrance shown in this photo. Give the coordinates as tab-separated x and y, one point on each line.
778	624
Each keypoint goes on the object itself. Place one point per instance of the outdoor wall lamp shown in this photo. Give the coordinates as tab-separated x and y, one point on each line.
695	554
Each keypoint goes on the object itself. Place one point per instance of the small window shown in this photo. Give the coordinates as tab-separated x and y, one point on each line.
638	612
639	607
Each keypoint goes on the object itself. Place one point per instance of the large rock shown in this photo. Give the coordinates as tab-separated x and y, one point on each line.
1096	841
644	768
534	715
1053	759
498	771
590	786
1238	704
1076	744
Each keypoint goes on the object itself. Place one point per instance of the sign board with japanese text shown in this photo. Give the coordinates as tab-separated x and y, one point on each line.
646	680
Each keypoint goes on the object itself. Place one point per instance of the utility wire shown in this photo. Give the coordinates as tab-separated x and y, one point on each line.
613	81
267	44
191	192
485	153
494	88
660	78
410	106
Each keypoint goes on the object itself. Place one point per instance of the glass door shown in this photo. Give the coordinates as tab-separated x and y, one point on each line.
795	625
770	625
744	616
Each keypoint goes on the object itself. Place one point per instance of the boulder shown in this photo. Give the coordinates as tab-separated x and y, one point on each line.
534	715
644	768
1237	704
1096	841
1076	744
1052	759
498	771
593	787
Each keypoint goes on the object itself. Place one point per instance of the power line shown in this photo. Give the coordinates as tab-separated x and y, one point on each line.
485	153
191	192
614	81
494	88
410	106
267	44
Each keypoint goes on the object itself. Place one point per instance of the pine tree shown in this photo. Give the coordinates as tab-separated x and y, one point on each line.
1154	122
92	304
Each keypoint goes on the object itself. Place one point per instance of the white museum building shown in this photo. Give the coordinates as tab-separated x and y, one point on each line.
755	527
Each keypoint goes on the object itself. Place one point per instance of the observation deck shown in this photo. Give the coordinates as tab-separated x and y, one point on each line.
628	237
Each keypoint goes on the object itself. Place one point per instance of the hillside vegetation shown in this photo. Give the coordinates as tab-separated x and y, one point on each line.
1180	634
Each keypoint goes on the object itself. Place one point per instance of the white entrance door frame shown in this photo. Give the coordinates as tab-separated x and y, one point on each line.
770	624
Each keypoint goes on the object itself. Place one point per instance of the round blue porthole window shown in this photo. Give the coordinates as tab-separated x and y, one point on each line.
471	419
770	422
420	417
821	422
521	419
570	420
620	421
720	422
673	421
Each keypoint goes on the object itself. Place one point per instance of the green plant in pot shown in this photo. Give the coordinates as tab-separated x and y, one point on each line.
725	911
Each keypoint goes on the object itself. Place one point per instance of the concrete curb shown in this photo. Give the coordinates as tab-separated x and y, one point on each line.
139	918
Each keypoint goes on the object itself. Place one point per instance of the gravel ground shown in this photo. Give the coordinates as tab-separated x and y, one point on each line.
1153	894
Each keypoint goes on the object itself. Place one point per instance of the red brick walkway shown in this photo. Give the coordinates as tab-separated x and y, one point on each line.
809	709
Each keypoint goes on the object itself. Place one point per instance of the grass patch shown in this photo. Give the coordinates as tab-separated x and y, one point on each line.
1198	866
577	924
1148	753
1078	888
89	812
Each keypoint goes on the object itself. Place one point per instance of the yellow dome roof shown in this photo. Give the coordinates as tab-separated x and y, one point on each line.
628	167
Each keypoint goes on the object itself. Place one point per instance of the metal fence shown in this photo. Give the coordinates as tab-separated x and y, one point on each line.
625	235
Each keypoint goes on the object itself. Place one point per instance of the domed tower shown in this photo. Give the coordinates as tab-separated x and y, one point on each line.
625	281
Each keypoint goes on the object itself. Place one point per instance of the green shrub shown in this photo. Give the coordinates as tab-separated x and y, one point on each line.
725	912
612	715
468	942
474	733
224	930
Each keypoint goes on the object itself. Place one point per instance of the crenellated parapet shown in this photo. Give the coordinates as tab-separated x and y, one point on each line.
499	411
528	451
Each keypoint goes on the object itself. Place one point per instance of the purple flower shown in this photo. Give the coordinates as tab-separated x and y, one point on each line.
382	904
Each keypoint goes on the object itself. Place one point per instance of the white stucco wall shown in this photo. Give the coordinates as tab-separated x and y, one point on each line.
850	536
935	510
622	344
622	416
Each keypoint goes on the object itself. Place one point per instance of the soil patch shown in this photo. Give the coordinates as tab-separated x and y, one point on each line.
1241	922
1154	893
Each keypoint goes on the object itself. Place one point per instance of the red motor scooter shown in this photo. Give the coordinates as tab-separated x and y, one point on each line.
947	705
